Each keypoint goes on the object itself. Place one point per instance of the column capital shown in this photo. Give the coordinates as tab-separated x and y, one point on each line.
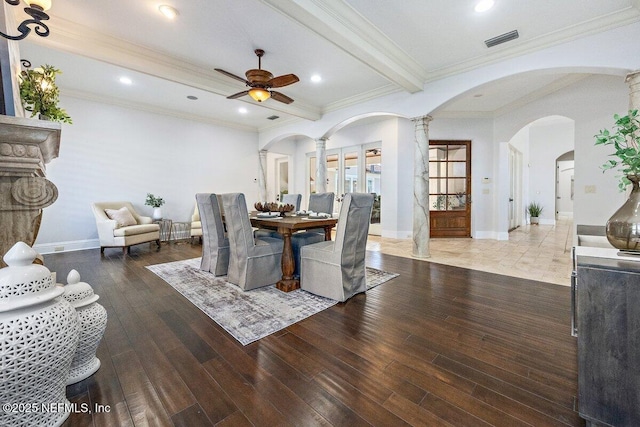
263	152
634	75
425	119
323	139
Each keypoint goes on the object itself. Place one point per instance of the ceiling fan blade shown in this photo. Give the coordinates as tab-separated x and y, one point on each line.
238	95
285	80
281	97
233	76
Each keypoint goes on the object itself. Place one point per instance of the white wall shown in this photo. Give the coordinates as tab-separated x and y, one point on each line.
548	140
590	103
114	153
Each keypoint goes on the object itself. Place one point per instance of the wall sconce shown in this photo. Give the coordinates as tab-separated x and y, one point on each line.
35	10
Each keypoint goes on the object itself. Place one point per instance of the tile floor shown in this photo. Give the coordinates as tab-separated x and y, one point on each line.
541	252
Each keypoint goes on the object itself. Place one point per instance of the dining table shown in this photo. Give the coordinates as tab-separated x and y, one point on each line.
286	226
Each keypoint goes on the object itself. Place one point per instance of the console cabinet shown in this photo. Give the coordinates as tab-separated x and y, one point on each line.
607	317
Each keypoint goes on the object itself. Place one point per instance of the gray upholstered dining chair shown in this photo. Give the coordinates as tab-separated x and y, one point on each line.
215	246
336	269
292	199
287	199
253	262
319	203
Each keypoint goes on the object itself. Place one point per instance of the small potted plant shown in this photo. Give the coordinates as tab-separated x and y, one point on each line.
155	203
40	94
534	209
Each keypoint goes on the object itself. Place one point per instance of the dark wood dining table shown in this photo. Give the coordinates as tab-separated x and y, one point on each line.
286	226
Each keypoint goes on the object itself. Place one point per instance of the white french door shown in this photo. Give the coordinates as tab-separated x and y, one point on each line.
350	170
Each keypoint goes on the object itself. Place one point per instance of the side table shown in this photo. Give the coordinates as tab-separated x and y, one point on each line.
165	229
181	231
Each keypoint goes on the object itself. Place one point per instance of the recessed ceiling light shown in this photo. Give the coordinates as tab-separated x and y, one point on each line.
316	78
484	5
191	97
242	110
168	11
478	95
126	80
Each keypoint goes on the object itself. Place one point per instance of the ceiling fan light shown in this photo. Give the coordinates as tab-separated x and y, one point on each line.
168	11
259	94
43	4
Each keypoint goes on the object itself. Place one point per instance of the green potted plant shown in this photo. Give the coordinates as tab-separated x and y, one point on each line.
40	94
623	227
155	203
535	210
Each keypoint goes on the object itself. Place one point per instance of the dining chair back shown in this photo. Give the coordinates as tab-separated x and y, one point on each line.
321	202
336	269
253	262
215	246
292	199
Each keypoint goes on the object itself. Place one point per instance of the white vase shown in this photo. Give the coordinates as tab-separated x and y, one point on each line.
38	338
157	213
93	322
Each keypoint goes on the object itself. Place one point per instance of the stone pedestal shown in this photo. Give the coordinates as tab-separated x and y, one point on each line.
26	146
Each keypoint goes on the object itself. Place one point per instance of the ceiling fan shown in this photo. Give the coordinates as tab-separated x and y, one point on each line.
261	82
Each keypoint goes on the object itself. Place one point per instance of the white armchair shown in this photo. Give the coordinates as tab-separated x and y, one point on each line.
196	224
113	235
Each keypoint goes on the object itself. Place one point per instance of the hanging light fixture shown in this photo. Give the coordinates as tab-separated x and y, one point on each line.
259	94
36	10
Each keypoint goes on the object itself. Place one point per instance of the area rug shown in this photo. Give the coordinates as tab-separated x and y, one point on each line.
247	316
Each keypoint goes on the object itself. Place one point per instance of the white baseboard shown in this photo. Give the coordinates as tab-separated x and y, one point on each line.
392	234
70	246
484	235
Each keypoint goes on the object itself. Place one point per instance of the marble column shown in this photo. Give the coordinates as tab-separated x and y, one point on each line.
421	187
321	165
26	146
633	80
262	176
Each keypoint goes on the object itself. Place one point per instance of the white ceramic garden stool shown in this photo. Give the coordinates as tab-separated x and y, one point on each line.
38	337
93	322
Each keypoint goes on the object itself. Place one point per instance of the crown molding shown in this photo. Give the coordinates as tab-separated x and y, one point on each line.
623	17
362	97
80	40
118	102
337	22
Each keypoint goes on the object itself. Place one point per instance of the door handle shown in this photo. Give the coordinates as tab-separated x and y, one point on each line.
510	199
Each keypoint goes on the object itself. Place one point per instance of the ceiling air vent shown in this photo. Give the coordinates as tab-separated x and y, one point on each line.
273	117
502	38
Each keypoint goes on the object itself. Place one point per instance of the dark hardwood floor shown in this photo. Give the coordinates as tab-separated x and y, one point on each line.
438	345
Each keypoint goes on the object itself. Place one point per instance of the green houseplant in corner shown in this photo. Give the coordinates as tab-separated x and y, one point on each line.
535	210
155	203
40	94
623	228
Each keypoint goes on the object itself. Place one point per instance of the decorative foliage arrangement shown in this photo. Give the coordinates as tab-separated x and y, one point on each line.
154	201
273	207
625	138
40	95
534	209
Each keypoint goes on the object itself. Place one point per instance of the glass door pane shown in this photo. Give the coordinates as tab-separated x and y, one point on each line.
373	175
312	175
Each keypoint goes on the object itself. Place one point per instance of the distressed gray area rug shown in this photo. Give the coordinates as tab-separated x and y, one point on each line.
247	316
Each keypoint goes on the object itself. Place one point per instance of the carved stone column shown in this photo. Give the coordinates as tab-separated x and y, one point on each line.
262	176
26	146
421	187
321	165
633	79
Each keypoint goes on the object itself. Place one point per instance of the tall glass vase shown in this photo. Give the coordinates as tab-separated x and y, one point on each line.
623	228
